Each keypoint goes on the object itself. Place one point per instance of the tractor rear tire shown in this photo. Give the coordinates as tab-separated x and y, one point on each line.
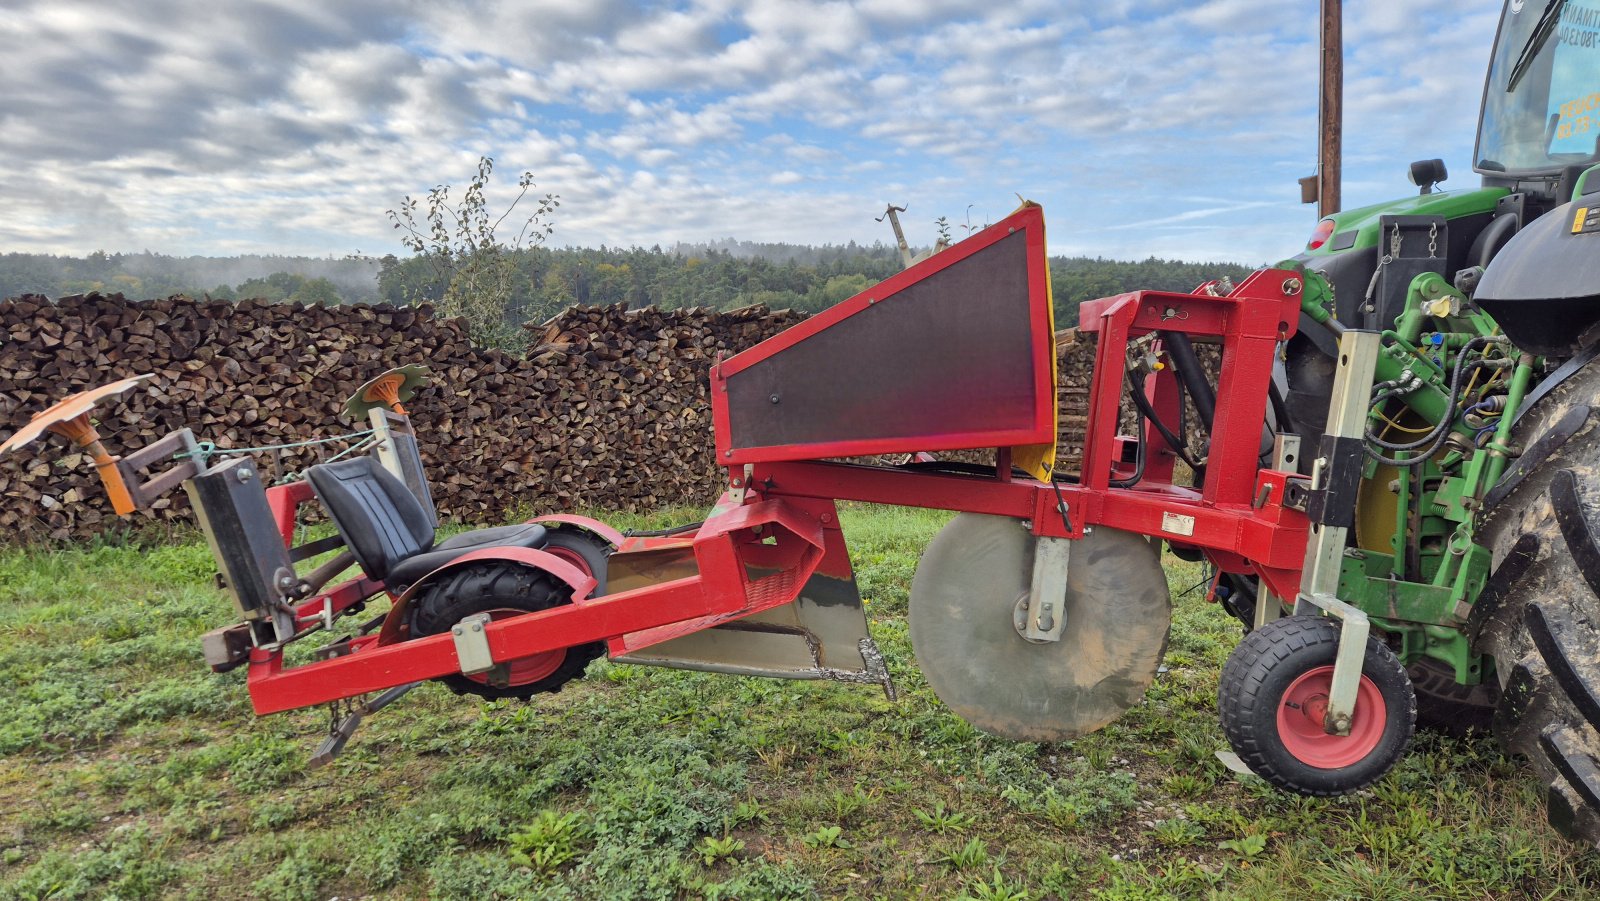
1539	614
1446	706
503	590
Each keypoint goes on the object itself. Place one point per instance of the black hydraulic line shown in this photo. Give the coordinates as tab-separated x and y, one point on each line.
1280	408
1139	455
1192	375
662	533
1441	431
1173	441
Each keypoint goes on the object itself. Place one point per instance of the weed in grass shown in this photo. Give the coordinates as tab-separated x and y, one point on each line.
300	876
777	757
749	812
997	888
825	837
715	849
65	818
488	877
272	816
846	805
972	855
128	863
549	842
1177	833
1188	785
939	820
1245	846
762	881
1097	755
1079	798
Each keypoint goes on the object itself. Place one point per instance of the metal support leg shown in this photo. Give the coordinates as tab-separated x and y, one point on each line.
1268	605
1334	475
1040	616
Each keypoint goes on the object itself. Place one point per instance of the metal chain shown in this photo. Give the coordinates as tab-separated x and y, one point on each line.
206	449
1433	240
1372	287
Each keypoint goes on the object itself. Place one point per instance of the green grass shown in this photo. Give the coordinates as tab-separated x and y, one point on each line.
128	770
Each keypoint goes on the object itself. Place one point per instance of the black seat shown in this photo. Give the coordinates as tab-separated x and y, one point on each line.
387	529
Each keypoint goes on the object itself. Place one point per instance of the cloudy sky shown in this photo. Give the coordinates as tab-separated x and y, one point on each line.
1167	127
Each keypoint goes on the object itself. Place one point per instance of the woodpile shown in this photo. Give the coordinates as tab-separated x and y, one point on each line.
609	410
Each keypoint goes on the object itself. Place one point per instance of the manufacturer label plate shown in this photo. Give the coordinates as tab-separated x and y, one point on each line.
1177	524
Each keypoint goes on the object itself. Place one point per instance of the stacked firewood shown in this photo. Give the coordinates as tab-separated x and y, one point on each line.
609	409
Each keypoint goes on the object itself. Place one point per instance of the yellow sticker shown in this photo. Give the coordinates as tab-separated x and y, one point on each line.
1580	219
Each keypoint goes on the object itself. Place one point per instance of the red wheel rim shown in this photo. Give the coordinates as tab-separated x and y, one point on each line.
523	670
570	556
1300	713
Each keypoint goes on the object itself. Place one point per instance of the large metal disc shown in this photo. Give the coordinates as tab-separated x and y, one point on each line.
963	602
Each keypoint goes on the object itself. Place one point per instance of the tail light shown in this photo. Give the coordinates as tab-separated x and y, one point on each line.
1321	235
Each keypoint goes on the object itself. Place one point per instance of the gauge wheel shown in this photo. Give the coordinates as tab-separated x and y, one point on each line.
1273	696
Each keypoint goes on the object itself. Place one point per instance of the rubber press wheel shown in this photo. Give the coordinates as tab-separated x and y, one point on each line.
502	590
1273	695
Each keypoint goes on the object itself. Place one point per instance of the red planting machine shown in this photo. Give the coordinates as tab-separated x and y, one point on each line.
1041	612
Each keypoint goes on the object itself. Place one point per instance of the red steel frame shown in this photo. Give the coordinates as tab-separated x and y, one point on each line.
770	533
1238	519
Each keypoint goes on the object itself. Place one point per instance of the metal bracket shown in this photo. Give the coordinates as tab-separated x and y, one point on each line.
1041	615
472	644
1347	664
1285	452
1319	581
1268	605
1285	458
342	730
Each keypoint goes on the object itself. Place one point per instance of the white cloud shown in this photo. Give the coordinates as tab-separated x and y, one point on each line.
290	126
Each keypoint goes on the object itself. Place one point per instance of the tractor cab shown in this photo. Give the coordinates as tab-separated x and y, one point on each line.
1541	102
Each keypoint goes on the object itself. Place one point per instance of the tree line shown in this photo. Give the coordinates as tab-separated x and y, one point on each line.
724	275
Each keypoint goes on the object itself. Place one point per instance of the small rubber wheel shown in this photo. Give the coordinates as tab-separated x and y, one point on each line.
502	590
1273	696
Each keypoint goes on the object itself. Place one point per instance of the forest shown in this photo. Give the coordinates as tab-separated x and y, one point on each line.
722	275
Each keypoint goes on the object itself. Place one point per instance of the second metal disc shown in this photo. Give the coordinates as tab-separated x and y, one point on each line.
963	600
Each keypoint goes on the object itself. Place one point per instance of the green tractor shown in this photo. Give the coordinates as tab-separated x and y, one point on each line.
1474	501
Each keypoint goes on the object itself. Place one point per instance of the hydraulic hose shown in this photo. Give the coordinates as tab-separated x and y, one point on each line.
1144	439
1435	438
662	533
1173	441
1192	375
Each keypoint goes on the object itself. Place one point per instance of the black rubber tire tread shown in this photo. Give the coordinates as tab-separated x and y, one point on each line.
1445	705
1541	610
491	585
1261	668
595	551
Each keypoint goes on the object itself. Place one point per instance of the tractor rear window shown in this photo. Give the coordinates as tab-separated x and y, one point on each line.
1541	108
